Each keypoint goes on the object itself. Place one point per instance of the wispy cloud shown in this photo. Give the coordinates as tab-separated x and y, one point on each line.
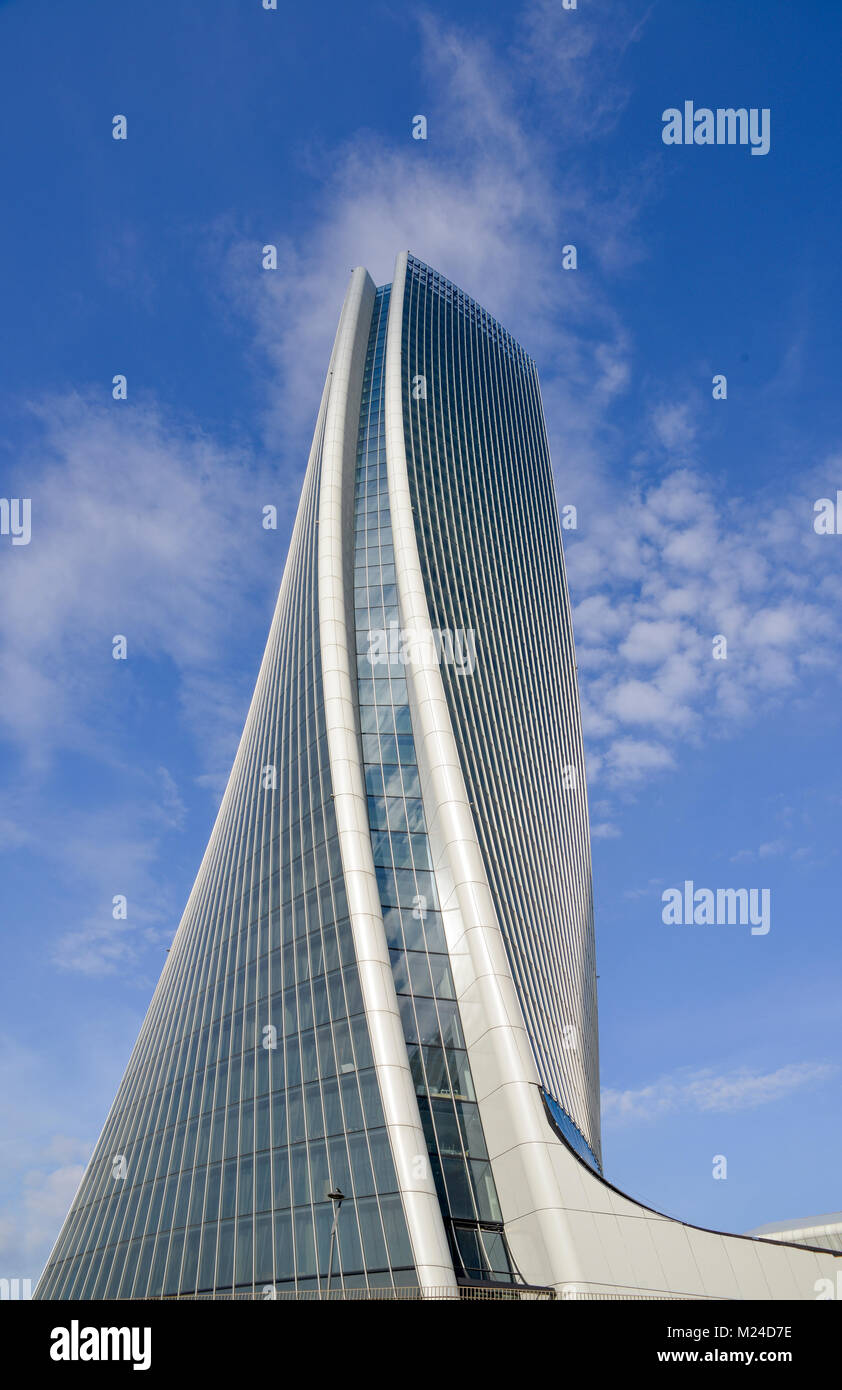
138	529
141	527
605	830
482	199
704	1090
29	1226
661	563
772	849
40	1165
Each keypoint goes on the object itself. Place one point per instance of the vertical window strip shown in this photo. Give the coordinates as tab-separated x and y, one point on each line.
414	930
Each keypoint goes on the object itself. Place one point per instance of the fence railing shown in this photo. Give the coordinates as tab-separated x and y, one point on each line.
407	1293
485	1293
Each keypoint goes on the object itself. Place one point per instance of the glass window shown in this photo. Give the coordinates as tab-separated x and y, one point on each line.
305	1248
486	1194
374	1245
264	1272
284	1261
225	1256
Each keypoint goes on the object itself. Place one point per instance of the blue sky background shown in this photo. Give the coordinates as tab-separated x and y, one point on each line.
695	516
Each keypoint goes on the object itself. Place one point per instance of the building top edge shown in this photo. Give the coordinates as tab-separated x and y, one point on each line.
450	289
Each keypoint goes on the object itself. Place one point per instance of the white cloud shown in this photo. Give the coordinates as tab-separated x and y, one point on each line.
635	702
630	759
595	618
772	849
662	562
42	1164
138	529
103	853
690	568
778	627
651	642
484	201
646	892
605	830
674	426
706	1091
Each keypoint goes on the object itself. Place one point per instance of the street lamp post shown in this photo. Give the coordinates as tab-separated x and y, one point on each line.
337	1197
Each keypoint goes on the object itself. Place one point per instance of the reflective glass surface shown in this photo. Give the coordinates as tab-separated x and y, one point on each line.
251	1091
489	541
420	963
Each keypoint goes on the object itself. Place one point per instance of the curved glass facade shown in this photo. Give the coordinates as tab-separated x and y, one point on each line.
414	931
259	1082
251	1091
489	542
377	986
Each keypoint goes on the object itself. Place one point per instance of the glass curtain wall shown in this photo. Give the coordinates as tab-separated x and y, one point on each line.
414	930
489	541
251	1091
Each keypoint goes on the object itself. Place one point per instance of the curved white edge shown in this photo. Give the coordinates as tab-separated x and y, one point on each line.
565	1225
338	656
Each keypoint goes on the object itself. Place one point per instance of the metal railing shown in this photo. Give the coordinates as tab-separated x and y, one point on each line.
406	1293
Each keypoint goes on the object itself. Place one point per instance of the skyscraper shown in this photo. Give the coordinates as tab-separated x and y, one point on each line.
371	1060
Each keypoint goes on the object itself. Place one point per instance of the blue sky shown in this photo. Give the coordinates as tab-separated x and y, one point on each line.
695	516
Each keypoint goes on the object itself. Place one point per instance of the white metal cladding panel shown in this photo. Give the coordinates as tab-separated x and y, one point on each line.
207	1116
490	547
